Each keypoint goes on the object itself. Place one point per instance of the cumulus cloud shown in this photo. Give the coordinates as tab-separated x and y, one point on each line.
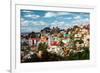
68	18
54	14
77	17
24	22
81	21
26	29
29	26
60	24
29	29
26	11
39	23
50	14
86	19
63	13
33	16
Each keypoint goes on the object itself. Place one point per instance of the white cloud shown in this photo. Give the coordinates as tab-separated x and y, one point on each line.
54	14
29	29
39	23
26	11
32	16
81	21
50	14
22	19
24	22
77	17
63	13
33	26
86	19
26	29
60	24
68	18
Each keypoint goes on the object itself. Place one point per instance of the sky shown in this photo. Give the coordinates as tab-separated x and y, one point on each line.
36	20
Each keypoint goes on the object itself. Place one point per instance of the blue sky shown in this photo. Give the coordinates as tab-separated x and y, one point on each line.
35	20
